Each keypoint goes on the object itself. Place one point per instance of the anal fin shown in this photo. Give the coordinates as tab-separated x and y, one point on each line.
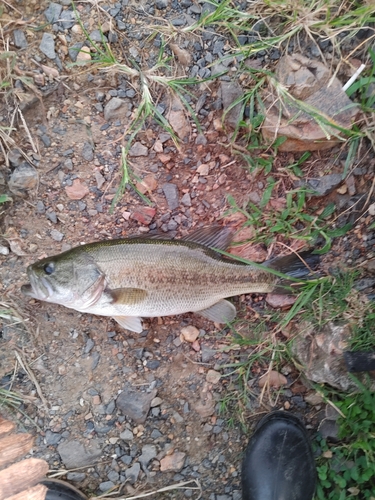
132	323
221	312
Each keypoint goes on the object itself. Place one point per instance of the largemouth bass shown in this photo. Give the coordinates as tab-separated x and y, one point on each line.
139	277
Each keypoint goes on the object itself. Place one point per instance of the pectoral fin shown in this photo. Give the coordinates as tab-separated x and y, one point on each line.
132	323
221	312
127	296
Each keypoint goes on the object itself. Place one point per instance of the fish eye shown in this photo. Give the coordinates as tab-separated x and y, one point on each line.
49	268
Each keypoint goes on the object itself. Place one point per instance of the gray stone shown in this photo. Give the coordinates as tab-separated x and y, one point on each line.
218	47
329	429
138	149
74	454
110	408
324	185
200	140
76	477
95	360
40	208
52	438
67	19
121	25
127	435
23	178
98	36
179	21
56	235
106	485
171	193
89	345
126	459
46	140
15	157
52	14
47	46
74	49
113	476
155	434
116	108
148	453
230	92
207	353
87	151
164	137
52	216
19	39
161	4
207	8
186	200
135	404
132	473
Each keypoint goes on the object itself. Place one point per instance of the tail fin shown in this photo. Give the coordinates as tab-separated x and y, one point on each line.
296	266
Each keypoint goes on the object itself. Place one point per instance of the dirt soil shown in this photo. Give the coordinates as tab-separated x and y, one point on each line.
81	363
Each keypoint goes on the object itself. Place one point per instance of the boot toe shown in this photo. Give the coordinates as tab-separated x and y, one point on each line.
278	462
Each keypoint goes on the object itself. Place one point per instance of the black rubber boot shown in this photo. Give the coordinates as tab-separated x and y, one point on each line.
278	462
61	490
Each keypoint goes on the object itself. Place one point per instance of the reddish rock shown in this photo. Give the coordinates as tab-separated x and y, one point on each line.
77	191
164	158
280	301
173	463
255	253
144	215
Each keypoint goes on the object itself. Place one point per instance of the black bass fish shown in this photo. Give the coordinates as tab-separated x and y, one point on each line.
137	277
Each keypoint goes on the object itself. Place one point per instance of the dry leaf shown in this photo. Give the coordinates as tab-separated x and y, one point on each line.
182	55
273	379
52	72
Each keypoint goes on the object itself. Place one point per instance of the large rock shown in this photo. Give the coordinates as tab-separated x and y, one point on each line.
75	454
177	119
117	109
23	179
230	92
135	404
321	352
310	83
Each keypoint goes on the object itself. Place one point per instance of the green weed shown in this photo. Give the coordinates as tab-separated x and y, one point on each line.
346	469
4	198
363	338
291	222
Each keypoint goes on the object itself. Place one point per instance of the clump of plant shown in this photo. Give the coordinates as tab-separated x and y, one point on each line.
346	470
293	221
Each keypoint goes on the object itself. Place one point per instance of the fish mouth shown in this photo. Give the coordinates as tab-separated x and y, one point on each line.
37	289
27	290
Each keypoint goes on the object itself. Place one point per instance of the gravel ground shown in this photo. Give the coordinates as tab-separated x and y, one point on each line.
120	410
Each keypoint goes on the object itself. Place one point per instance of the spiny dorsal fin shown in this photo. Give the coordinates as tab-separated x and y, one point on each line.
213	237
149	236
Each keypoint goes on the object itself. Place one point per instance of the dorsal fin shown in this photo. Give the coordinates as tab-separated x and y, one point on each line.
158	235
213	237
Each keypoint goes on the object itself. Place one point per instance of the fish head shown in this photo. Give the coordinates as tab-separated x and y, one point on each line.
67	279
